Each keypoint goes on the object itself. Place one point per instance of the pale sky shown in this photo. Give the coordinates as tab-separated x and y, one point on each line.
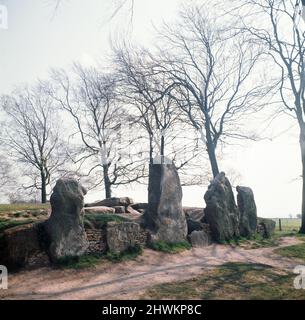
36	41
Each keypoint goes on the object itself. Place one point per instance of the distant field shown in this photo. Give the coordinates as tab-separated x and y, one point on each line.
12	215
288	225
23	206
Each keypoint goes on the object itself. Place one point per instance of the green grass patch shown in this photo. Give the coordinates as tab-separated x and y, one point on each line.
130	254
7	223
296	251
98	220
170	247
82	262
257	241
232	281
91	260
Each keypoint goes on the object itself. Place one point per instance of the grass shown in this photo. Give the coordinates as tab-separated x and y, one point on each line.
82	262
256	242
233	281
290	227
170	247
90	260
130	254
23	206
98	220
296	251
6	223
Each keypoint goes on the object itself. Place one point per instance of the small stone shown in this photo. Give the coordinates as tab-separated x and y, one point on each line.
119	209
200	238
265	227
101	210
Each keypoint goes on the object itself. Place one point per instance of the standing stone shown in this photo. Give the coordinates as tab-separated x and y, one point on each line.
247	210
164	217
65	229
221	212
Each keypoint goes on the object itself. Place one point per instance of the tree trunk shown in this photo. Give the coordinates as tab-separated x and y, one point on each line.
213	160
107	183
211	149
43	187
162	149
151	159
302	145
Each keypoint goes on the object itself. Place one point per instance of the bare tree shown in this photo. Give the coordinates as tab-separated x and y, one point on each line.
213	70
153	108
272	23
31	136
148	93
101	124
4	172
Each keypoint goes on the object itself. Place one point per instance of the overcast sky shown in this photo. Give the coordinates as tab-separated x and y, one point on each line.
36	40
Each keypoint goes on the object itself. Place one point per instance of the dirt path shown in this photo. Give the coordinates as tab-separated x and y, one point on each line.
128	280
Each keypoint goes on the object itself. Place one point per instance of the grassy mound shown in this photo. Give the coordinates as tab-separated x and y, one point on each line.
6	223
99	220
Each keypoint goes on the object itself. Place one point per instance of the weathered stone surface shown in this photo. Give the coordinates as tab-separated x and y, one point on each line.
193	225
131	210
200	238
101	210
265	227
97	240
164	217
112	202
194	213
221	212
119	209
23	247
124	235
139	206
65	229
247	209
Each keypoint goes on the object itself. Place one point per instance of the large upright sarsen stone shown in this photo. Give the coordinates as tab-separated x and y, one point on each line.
65	229
164	217
221	212
247	209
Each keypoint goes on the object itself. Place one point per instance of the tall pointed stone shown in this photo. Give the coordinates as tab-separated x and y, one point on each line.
247	209
164	217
